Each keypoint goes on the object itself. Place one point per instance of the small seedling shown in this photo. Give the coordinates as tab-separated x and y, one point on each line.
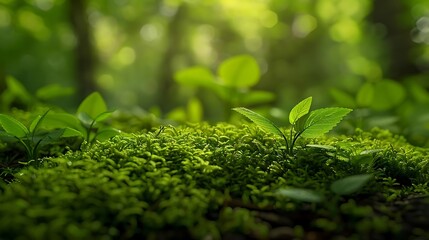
30	137
304	123
87	122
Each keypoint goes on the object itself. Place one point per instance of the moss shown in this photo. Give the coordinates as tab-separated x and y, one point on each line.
215	182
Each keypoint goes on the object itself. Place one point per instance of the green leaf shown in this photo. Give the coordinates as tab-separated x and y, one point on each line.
62	120
365	95
37	121
106	134
85	119
259	120
321	121
342	98
350	184
13	126
239	71
16	88
388	94
70	132
93	105
255	97
300	194
52	91
194	110
195	77
301	109
103	116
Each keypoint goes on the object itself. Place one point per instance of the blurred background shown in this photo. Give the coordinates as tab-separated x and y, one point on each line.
369	55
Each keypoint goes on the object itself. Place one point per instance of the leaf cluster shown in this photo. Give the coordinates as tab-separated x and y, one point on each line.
304	123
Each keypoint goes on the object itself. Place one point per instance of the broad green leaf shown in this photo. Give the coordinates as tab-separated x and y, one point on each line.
301	194
53	91
321	121
70	132
256	97
48	138
365	95
85	119
301	109
16	88
106	134
387	94
195	77
13	126
103	116
350	184
239	71
93	105
62	120
259	120
37	121
320	146
195	110
343	98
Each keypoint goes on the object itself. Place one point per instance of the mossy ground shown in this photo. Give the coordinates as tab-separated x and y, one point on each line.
220	182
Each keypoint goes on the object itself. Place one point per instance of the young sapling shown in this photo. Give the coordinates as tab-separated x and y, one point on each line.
303	122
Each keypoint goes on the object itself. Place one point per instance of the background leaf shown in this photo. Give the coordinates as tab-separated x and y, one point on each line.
195	77
300	110
259	120
93	105
301	194
350	184
13	126
239	71
322	120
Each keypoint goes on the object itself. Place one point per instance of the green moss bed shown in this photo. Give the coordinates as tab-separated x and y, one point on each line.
220	182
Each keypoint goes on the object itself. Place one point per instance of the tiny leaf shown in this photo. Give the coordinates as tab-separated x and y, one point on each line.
259	120
350	184
239	71
13	126
321	121
93	105
301	109
301	194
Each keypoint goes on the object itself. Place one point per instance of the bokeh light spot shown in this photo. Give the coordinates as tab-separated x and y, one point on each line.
303	25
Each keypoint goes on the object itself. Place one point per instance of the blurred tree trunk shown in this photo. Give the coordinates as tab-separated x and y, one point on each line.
84	51
396	17
173	47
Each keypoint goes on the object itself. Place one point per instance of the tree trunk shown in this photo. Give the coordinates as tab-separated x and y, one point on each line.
166	70
84	51
399	45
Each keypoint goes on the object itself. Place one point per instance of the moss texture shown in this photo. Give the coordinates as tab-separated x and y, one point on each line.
220	182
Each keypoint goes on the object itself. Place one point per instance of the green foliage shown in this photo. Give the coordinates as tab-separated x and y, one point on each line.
88	121
31	138
236	76
350	184
304	195
317	122
201	179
